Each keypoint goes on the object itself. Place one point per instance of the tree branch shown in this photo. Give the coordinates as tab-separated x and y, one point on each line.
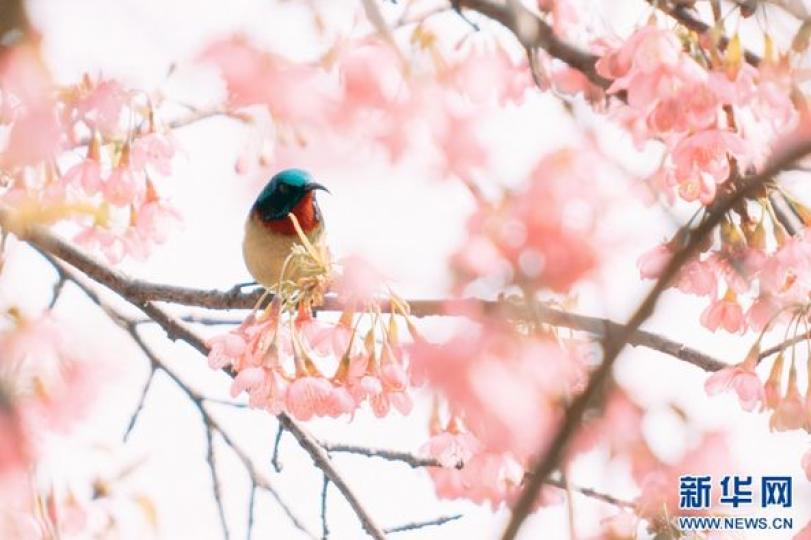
417	461
533	33
685	17
613	344
322	461
422	524
142	293
40	238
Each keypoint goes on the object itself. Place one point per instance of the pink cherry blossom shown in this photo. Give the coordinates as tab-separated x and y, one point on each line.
789	414
452	449
87	174
806	464
652	263
707	152
97	238
101	105
804	534
123	186
308	396
225	349
771	388
697	277
155	151
504	390
486	477
293	92
724	313
742	379
15	451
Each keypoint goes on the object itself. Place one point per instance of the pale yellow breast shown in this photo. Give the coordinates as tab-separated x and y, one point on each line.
265	251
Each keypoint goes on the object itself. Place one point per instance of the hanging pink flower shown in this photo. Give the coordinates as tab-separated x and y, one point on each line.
742	379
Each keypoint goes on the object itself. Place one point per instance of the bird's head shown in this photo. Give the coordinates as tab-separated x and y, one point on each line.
283	193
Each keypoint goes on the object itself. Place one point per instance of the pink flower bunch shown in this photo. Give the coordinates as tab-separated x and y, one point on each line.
750	279
472	472
110	194
508	389
364	87
276	361
659	487
542	236
693	106
790	409
742	379
45	385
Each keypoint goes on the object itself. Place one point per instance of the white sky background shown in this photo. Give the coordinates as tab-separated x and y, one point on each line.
141	38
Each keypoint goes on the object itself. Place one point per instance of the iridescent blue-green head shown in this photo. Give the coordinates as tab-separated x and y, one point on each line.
284	192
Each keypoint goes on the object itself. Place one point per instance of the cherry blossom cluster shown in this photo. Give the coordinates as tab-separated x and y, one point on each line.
45	386
505	394
716	116
545	235
780	394
309	368
714	113
366	91
477	466
88	154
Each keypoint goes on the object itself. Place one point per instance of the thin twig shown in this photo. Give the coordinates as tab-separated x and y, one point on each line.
251	505
195	397
533	32
322	461
141	400
422	524
391	455
225	402
215	482
275	459
324	527
417	461
784	345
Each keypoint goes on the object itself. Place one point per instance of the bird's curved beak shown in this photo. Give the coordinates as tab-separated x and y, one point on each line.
312	186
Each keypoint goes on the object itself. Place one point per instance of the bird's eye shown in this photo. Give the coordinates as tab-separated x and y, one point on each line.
283	188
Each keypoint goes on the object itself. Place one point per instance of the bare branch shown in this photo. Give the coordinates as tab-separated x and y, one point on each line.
141	400
275	459
416	461
422	524
324	527
391	455
215	482
251	509
322	461
130	326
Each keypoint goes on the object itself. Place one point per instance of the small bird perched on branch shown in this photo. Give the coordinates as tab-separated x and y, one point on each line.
270	233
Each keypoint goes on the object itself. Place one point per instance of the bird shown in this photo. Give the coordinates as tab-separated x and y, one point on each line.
270	234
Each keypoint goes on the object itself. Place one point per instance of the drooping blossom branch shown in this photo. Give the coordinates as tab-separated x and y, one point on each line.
614	343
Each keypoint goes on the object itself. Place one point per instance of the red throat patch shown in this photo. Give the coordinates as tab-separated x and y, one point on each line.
305	213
